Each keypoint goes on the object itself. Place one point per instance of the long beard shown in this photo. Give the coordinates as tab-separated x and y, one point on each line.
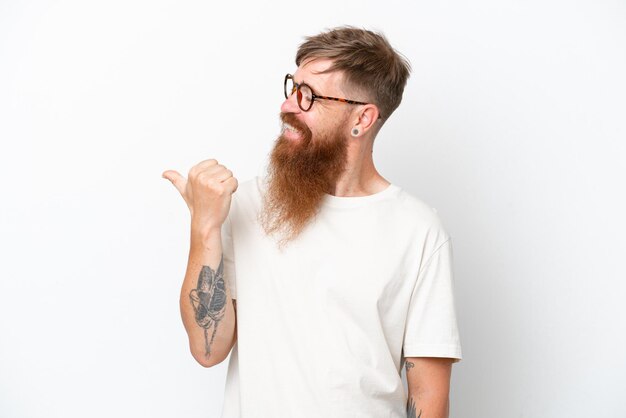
299	174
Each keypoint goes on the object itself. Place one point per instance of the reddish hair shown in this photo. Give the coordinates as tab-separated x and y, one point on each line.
370	65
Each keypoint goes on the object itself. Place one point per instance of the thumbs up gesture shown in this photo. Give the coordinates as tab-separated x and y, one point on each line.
207	192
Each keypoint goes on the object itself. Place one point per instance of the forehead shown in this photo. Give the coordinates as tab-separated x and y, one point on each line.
309	72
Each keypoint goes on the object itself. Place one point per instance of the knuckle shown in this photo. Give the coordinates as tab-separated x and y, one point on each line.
217	189
207	182
195	170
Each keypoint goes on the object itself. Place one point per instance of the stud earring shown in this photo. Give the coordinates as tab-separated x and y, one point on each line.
355	132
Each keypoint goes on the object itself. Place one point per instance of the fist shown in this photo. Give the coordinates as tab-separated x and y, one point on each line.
207	191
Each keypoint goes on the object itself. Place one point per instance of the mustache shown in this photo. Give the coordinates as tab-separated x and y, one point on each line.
291	119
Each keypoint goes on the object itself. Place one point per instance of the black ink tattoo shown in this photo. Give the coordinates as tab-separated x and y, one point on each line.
410	406
410	409
209	301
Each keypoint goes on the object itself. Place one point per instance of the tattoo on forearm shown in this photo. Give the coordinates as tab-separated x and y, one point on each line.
410	406
410	409
208	300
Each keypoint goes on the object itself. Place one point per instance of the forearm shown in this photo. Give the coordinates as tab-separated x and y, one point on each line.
206	306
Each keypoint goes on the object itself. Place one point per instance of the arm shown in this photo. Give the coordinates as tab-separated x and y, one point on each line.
207	310
206	307
428	380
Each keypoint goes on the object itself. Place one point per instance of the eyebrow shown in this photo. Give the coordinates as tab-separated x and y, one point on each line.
308	84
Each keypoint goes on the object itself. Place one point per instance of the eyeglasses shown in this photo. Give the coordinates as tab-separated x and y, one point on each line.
305	95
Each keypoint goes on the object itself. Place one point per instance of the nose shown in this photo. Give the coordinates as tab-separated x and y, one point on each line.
290	105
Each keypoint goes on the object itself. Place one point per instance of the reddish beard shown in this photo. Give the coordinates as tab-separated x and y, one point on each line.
300	173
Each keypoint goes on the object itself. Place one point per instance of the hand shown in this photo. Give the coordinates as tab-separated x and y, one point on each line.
207	193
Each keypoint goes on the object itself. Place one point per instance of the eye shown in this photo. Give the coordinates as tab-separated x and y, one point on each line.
307	94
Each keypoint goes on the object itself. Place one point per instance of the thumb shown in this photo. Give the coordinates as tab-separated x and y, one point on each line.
177	180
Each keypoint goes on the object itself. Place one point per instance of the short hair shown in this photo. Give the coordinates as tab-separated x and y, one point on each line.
370	64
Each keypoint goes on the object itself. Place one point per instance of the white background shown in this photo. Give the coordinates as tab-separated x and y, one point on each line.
512	126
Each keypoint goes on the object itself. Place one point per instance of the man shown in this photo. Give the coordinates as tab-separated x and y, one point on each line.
322	277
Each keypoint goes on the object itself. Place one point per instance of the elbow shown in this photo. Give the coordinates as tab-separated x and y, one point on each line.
205	360
218	354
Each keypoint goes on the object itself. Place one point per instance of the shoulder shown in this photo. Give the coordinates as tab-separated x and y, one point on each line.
414	205
420	221
417	210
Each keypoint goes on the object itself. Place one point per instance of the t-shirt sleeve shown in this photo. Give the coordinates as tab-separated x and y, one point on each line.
431	326
229	257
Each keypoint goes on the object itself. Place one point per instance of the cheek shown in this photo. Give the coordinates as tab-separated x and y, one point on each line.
320	124
334	127
310	121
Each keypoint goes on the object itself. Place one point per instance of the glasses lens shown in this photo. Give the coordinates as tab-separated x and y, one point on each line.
289	87
304	95
305	98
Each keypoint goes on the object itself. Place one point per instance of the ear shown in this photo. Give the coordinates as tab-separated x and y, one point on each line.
365	119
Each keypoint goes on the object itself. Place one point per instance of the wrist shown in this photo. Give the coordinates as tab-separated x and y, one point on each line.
206	234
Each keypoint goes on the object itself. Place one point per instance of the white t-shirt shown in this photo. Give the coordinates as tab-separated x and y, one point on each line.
322	324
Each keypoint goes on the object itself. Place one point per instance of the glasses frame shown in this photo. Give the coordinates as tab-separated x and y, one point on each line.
298	86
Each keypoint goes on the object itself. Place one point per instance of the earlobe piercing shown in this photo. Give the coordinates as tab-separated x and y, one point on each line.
355	132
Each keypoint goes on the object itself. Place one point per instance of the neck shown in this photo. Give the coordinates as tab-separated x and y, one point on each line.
360	177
